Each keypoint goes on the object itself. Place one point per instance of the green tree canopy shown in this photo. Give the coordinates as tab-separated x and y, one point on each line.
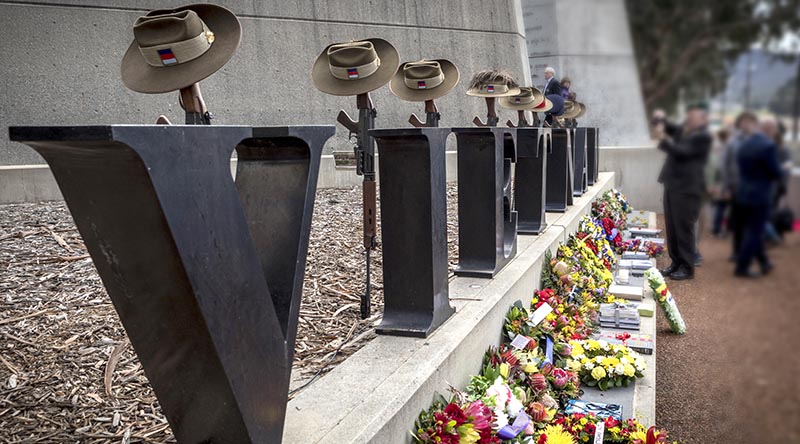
687	44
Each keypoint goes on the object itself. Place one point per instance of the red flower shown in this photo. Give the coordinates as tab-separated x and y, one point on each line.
542	439
455	413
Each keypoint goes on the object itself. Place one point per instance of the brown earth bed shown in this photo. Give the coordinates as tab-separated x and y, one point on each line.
67	371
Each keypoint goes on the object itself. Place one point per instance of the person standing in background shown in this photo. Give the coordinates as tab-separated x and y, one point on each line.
730	183
720	197
552	90
687	148
566	83
759	172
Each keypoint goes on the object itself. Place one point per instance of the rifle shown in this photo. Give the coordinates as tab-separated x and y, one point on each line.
491	114
192	102
365	166
523	121
432	116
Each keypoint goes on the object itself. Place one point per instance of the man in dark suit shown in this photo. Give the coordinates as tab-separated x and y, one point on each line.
552	90
687	149
759	172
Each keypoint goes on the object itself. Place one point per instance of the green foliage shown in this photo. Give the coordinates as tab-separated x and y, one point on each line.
549	279
686	44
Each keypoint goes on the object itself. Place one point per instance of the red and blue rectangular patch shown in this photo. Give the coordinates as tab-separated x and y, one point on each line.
421	84
352	73
167	57
490	88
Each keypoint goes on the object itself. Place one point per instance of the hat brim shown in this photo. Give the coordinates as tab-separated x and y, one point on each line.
511	92
538	98
139	76
325	81
583	110
571	110
399	88
548	105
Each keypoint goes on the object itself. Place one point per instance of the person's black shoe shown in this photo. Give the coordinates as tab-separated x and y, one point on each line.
767	268
681	274
746	274
669	270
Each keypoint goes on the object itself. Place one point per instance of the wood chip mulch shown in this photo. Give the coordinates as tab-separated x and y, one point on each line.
67	370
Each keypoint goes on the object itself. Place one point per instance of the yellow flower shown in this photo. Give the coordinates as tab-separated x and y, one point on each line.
504	369
592	344
577	349
467	434
598	373
640	435
530	368
573	365
629	370
557	435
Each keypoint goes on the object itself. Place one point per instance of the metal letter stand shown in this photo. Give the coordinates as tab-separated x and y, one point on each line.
206	274
593	155
530	179
579	162
413	188
559	172
487	225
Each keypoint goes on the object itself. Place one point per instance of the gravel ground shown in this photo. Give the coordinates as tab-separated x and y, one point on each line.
733	378
67	372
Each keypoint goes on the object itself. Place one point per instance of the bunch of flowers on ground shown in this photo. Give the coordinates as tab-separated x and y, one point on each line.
456	423
665	300
605	365
645	246
583	427
612	205
547	353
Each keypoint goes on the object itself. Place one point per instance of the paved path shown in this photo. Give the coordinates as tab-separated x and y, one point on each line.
735	376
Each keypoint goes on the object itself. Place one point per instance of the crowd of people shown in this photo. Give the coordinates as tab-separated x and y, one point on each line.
744	171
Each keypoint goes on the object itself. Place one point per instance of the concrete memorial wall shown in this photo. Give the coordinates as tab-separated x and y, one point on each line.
67	72
589	41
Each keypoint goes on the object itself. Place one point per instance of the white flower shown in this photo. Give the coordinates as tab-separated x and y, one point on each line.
514	406
500	391
619	369
500	419
589	365
624	360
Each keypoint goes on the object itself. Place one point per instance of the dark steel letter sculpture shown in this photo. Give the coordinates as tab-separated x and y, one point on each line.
593	155
559	167
487	224
413	187
206	274
530	179
579	162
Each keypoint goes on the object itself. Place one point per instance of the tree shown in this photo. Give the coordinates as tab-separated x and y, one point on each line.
688	44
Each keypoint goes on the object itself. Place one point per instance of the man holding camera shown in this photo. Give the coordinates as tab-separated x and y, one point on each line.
687	148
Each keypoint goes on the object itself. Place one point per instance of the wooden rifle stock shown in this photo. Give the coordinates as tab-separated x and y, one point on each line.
491	114
432	116
191	99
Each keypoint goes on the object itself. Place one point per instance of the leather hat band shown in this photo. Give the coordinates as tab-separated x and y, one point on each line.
355	72
176	53
427	83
